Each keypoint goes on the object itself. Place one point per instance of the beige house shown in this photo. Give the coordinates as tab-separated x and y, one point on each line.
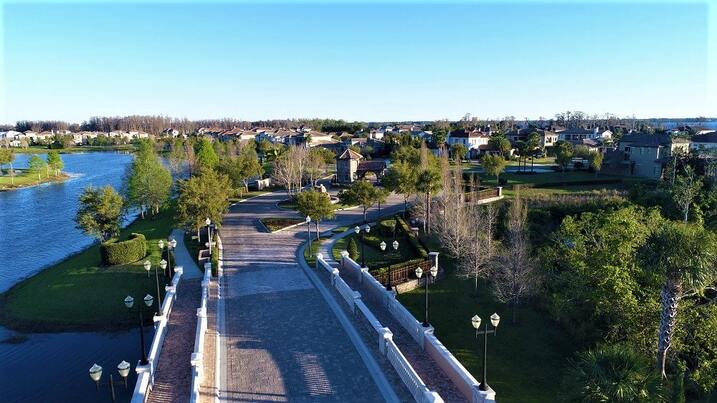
644	155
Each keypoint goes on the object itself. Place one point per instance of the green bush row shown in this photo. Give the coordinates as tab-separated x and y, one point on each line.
131	250
586	182
412	238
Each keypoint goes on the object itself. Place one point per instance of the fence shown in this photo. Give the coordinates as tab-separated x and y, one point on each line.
145	373
404	272
385	338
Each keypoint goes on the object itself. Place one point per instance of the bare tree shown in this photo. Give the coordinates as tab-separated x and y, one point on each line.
290	167
478	256
515	278
454	226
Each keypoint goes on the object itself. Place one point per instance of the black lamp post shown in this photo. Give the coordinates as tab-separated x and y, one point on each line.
147	267
475	321
308	232
96	373
357	230
129	303
433	273
209	234
383	248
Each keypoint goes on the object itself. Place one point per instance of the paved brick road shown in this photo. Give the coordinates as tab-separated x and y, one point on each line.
281	341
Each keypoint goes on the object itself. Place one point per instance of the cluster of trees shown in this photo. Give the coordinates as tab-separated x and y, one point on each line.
7	157
148	182
52	164
297	165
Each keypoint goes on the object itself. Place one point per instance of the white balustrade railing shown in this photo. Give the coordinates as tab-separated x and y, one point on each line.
145	373
408	375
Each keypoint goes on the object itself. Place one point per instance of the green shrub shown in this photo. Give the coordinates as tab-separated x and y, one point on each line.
353	249
387	227
421	249
131	250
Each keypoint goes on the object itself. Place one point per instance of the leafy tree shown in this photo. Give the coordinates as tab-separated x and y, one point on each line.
353	249
177	155
36	166
100	213
563	154
685	255
595	159
316	205
407	154
362	193
247	166
685	189
203	196
148	181
439	136
458	151
206	156
611	373
401	178
54	162
493	165
595	284
500	143
7	157
533	146
381	196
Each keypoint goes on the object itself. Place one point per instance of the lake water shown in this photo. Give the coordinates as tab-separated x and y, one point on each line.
37	229
37	225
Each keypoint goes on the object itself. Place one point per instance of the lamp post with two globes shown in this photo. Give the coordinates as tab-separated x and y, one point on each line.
389	287
432	273
96	373
357	230
209	234
147	267
129	303
476	321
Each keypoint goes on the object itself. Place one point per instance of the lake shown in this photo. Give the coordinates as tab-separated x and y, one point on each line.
37	229
37	225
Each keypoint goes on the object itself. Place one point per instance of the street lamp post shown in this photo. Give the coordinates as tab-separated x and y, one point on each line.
432	273
129	303
357	230
96	373
389	287
308	231
170	247
475	321
163	266
209	234
148	266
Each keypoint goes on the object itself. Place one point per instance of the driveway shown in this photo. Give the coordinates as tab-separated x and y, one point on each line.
280	340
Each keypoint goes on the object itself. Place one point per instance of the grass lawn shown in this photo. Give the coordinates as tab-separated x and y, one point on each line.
525	360
246	195
78	294
277	223
24	179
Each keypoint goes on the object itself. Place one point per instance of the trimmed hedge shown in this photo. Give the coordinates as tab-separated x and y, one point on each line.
131	250
413	239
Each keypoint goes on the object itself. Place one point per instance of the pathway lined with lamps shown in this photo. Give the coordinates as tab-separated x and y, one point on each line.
422	363
173	375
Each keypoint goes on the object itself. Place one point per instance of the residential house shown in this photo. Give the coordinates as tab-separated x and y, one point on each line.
703	142
547	138
643	155
475	141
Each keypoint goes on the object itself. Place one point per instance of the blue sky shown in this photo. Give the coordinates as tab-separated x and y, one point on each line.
361	61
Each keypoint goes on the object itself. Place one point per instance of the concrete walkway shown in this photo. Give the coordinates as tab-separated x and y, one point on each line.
422	363
281	341
173	375
181	254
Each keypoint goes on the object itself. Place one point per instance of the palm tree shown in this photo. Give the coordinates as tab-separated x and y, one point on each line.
428	182
611	373
685	254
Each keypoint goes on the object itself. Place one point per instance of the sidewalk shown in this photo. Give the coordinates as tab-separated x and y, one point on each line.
173	375
422	363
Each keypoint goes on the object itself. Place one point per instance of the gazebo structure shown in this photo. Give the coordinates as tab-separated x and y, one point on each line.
351	166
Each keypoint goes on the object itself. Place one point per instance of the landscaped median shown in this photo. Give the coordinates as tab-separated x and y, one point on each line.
78	293
274	224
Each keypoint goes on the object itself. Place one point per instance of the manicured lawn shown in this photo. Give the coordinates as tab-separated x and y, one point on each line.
23	179
525	360
277	223
79	294
375	257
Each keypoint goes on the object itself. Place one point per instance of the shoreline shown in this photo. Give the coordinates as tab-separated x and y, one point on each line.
62	177
76	149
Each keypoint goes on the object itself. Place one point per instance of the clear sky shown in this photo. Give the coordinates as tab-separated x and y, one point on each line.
361	61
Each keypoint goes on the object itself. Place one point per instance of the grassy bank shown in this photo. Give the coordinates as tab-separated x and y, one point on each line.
525	360
75	149
79	294
24	179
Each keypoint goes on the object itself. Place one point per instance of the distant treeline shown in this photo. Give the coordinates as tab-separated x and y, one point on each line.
157	124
